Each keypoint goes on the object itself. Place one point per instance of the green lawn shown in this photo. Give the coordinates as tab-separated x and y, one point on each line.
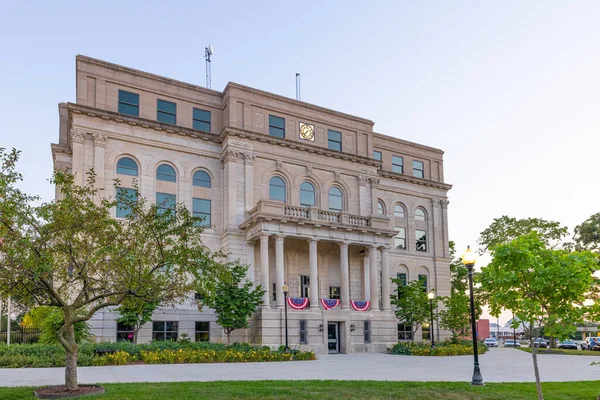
563	351
333	390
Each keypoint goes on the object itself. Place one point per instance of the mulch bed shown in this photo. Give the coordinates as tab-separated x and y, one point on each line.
61	392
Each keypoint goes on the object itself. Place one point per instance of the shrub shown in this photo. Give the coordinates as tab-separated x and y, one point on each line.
440	349
51	321
119	358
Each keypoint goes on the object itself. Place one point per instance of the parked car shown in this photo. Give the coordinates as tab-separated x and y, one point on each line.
539	342
567	344
491	342
591	343
512	343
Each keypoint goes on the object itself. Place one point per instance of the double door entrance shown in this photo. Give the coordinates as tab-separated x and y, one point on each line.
333	337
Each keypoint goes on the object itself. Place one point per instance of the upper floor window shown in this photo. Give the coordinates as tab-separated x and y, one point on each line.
126	166
165	172
124	198
201	120
307	194
380	207
334	140
420	214
399	210
129	103
421	237
418	169
165	203
201	178
336	199
201	210
277	189
276	126
423	281
166	112
397	164
377	155
400	238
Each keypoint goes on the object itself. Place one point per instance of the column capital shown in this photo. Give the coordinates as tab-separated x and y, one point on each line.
249	158
373	247
77	135
280	236
229	156
264	235
343	244
312	240
385	248
99	139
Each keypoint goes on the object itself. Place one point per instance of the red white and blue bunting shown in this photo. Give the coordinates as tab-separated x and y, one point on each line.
297	303
360	305
328	304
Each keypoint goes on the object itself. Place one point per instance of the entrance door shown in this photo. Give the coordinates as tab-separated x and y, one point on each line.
333	337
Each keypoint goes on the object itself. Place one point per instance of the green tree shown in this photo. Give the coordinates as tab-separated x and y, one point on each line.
135	312
542	286
234	301
412	305
71	254
587	234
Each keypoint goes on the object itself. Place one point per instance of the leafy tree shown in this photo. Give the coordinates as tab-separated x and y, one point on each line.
542	286
587	234
135	312
234	301
54	320
412	305
71	254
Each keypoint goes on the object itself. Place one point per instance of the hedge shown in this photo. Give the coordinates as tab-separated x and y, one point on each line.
440	349
122	353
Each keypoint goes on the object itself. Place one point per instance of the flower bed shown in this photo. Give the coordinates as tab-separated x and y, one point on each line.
123	353
440	349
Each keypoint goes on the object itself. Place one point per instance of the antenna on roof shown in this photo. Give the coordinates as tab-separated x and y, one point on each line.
208	51
297	86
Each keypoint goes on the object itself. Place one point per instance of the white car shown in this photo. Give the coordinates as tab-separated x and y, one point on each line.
491	342
512	343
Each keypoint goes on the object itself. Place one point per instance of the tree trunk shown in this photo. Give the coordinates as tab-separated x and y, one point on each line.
71	367
136	331
228	332
538	384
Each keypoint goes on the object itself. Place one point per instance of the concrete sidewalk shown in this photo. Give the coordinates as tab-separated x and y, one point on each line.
498	365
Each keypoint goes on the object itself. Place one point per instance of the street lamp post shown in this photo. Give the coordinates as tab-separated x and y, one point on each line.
430	296
514	331
469	261
285	288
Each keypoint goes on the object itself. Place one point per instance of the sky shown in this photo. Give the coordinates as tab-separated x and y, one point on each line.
509	90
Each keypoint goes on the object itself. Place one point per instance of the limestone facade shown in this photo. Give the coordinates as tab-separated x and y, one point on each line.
335	250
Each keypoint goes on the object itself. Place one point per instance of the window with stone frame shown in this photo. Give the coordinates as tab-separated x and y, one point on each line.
418	169
124	332
166	111
334	292
426	331
424	283
398	164
367	331
276	126
165	330
202	331
303	332
304	286
421	243
400	238
403	279
404	331
129	103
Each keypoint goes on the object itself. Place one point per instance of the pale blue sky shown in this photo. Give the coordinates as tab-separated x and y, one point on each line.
509	90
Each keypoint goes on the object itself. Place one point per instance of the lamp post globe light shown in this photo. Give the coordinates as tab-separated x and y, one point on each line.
285	288
469	260
431	296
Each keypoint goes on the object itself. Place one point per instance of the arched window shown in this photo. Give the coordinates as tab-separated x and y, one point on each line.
420	214
277	189
380	207
201	178
399	210
126	166
307	194
336	199
165	172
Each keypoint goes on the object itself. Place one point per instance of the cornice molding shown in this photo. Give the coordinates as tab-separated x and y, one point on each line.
414	180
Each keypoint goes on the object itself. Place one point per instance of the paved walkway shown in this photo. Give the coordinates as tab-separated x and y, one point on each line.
499	365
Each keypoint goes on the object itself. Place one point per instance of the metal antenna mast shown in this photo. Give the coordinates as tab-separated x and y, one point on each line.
208	51
297	86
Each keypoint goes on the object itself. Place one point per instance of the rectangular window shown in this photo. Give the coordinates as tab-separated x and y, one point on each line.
397	164
202	331
201	120
129	103
124	196
276	126
304	286
166	112
423	280
367	331
421	240
400	238
377	155
274	292
165	330
303	336
201	209
334	292
198	296
334	140
418	169
124	332
402	277
165	202
404	331
426	332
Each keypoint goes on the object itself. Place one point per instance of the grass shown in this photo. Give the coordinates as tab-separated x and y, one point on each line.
563	351
334	390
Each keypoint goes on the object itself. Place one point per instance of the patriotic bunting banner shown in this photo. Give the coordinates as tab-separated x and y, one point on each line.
360	305
297	303
328	304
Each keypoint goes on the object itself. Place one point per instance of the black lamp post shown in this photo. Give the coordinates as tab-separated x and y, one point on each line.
469	261
431	296
285	288
514	331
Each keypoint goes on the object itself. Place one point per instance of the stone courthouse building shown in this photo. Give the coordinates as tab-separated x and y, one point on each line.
304	195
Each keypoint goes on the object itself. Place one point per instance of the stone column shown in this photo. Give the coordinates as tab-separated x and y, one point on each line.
279	269
374	293
366	280
229	161
99	146
314	274
77	139
249	175
385	279
264	269
250	277
363	195
345	275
